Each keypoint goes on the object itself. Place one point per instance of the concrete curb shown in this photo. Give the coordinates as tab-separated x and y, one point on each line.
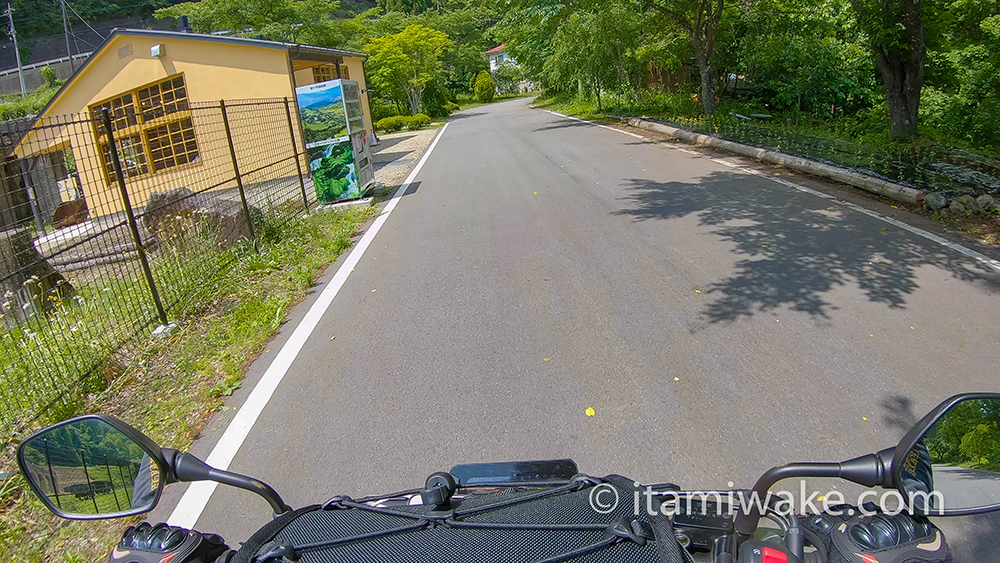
856	179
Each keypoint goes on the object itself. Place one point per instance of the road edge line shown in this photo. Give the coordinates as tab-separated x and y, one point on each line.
196	497
968	252
977	256
601	125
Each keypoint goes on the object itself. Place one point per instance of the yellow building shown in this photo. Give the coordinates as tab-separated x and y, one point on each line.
153	82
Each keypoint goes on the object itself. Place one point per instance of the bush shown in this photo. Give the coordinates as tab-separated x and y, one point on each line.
485	88
417	121
382	109
50	76
434	99
397	122
391	124
452	107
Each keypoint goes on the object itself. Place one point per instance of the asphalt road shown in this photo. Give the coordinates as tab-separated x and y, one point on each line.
718	323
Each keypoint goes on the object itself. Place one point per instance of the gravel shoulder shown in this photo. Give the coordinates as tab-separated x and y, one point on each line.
398	153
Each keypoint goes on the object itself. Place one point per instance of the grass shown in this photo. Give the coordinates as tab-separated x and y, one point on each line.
467	101
169	388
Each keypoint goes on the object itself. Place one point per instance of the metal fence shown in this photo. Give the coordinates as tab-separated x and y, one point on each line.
115	220
934	167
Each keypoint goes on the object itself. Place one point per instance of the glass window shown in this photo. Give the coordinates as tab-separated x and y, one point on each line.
153	127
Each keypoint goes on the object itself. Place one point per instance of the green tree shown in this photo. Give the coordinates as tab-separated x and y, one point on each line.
306	21
402	64
507	76
485	87
895	29
700	21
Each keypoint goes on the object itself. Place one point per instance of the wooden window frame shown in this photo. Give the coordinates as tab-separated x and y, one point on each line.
320	71
141	122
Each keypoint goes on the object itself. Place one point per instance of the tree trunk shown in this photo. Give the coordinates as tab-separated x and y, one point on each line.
597	91
902	66
413	96
701	31
902	88
707	92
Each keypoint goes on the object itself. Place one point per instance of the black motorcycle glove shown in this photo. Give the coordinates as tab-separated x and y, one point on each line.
884	538
161	543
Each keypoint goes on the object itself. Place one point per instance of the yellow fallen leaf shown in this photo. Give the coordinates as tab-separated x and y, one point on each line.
697	291
872	335
911	328
677	379
333	337
820	498
546	359
864	418
536	193
590	411
374	290
885	228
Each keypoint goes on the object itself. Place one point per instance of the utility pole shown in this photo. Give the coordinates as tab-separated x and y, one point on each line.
69	52
13	35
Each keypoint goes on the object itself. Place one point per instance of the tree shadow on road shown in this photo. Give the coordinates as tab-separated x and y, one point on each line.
564	124
795	247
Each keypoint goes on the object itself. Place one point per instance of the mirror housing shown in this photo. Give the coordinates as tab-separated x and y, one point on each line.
54	462
171	466
944	461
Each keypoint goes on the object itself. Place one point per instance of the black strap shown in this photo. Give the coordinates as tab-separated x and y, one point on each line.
267	533
667	548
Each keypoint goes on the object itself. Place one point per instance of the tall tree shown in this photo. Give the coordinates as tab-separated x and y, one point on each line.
281	20
402	64
896	31
700	20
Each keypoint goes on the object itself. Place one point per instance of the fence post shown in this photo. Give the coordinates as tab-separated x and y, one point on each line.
236	168
133	226
295	150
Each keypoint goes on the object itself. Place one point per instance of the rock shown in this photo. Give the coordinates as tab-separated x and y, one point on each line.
970	203
176	218
985	202
935	201
164	209
29	284
957	207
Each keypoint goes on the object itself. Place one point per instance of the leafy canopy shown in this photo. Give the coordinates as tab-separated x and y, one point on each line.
402	64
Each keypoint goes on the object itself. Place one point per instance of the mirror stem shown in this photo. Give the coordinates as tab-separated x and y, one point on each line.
187	467
868	470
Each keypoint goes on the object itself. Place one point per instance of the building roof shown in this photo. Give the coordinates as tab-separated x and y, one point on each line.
295	50
498	49
293	47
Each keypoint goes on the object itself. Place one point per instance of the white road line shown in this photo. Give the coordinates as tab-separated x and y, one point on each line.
978	256
629	133
196	497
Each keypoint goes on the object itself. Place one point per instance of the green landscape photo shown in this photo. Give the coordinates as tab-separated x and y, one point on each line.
322	113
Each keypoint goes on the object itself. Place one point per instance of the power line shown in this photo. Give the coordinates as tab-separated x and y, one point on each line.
67	4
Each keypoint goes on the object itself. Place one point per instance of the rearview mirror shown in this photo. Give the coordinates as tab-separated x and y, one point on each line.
93	467
949	463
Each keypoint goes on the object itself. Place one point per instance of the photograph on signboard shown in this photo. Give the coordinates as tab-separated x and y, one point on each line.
321	107
333	172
